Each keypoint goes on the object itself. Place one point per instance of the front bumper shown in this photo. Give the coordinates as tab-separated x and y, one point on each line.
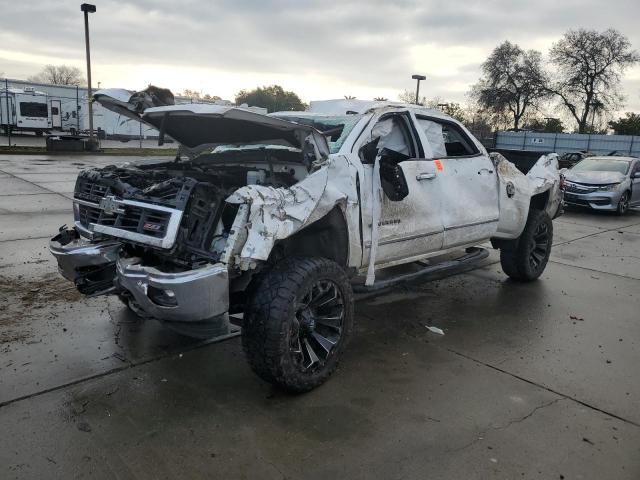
98	269
596	200
187	296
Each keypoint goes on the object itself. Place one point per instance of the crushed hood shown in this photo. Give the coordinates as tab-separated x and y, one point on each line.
594	178
198	126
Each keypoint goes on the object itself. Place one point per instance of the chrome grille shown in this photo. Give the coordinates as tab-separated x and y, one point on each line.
579	188
90	191
136	221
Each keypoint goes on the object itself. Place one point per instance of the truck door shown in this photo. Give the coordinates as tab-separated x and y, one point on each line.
467	183
409	224
56	114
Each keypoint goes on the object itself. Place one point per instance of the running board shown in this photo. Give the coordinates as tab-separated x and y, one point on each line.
472	255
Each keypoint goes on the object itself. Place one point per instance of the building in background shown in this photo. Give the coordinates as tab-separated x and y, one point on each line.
67	111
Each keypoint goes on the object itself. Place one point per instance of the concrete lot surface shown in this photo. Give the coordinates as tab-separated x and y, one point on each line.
31	140
532	380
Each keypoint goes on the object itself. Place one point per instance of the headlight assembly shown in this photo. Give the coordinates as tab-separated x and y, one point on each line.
612	187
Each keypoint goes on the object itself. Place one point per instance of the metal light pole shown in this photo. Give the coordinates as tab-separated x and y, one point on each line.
87	8
6	92
417	78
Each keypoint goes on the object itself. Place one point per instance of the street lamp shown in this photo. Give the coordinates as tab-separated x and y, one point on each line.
417	78
87	8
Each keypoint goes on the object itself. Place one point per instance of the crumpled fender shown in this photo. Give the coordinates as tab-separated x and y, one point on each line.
514	206
544	174
277	213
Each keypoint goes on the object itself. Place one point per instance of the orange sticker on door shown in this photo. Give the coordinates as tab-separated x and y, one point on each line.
438	164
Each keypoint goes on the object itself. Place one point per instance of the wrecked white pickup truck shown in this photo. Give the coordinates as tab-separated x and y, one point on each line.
281	217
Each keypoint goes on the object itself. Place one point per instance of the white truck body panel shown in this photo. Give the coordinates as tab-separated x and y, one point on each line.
456	194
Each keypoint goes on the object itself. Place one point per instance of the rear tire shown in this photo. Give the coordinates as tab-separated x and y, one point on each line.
525	258
297	323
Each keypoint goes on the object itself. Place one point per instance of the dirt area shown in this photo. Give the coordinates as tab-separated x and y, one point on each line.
21	297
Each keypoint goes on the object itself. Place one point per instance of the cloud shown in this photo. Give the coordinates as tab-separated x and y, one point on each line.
319	48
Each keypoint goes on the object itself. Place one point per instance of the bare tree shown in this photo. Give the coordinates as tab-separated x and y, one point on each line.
589	65
196	95
380	99
59	75
189	93
349	97
513	81
409	96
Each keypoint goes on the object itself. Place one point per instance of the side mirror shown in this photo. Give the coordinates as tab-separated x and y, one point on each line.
392	179
636	175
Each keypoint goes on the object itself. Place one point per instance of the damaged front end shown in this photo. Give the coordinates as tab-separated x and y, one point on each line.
174	239
153	236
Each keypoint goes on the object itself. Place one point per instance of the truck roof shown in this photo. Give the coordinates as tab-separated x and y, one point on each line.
339	107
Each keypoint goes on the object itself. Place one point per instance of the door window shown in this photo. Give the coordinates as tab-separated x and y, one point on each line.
394	136
446	139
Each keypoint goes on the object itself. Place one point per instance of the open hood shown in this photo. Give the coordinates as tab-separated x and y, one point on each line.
198	126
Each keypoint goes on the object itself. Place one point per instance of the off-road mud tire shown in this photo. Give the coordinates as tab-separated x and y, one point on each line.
516	256
269	316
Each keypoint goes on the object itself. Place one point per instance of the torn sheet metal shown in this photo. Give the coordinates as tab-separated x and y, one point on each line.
277	213
544	175
516	190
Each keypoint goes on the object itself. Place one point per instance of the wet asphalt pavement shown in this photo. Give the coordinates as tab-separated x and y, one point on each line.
529	381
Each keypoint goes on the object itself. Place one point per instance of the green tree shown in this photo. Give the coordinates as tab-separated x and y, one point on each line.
452	109
274	98
627	125
589	65
548	125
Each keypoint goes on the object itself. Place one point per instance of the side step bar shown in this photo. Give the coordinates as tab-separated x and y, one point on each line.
472	255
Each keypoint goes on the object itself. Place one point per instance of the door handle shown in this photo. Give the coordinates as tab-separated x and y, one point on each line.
425	176
484	170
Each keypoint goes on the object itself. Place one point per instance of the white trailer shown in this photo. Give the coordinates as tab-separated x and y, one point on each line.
26	110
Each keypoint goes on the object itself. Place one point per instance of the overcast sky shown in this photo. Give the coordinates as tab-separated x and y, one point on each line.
323	49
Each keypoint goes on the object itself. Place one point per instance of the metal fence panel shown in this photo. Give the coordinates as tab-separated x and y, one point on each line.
568	142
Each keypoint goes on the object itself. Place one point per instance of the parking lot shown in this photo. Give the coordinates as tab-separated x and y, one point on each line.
531	380
29	140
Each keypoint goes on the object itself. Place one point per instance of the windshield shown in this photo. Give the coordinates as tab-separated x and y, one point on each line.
336	128
602	165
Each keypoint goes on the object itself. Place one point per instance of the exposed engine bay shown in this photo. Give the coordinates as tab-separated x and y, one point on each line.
172	215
